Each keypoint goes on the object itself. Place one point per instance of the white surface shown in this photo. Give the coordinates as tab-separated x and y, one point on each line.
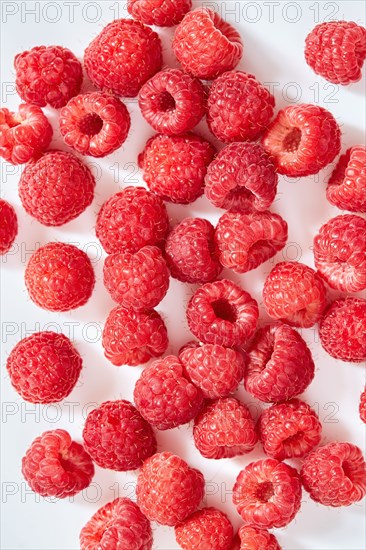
273	34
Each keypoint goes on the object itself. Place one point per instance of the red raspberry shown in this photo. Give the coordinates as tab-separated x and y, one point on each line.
295	294
267	493
59	277
206	45
207	528
163	13
339	252
164	395
222	313
243	177
168	490
94	124
362	407
346	186
44	367
123	56
8	226
117	437
47	75
335	475
336	50
342	330
252	538
175	166
56	188
302	139
190	252
131	219
132	337
239	107
56	466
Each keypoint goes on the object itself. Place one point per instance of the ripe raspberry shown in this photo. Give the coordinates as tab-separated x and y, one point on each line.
59	277
56	466
132	337
336	50
47	75
302	139
335	475
44	367
346	186
207	528
117	437
222	313
131	219
163	13
123	56
175	166
56	188
252	538
168	490
164	395
295	294
8	226
206	45
362	407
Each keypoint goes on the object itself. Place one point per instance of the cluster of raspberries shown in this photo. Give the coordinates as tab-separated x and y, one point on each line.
273	363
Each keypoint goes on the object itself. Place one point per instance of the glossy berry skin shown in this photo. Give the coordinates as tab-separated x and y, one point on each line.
8	226
207	528
162	13
362	406
346	186
252	538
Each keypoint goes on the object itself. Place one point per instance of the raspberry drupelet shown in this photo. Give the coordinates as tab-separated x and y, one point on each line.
206	528
252	538
163	13
8	226
346	186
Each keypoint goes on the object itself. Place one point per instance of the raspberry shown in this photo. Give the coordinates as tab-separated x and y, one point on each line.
163	13
339	252
44	367
267	493
362	407
173	102
56	466
47	75
56	188
302	139
131	219
59	277
224	429
336	51
206	45
168	490
8	226
335	475
295	294
222	313
207	528
245	241
239	107
118	524
175	166
132	338
117	437
123	56
252	538
243	177
279	364
94	124
190	252
342	330
164	396
346	186
139	280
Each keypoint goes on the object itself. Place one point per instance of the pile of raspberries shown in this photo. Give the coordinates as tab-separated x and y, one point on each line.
240	177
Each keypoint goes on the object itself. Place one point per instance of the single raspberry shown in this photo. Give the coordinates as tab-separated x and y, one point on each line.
132	337
302	139
346	186
362	407
44	367
59	277
267	493
295	294
168	490
162	13
190	252
8	226
222	313
117	437
131	219
335	475
279	365
123	56
56	466
206	45
207	528
164	395
47	75
339	253
175	166
56	188
252	538
336	50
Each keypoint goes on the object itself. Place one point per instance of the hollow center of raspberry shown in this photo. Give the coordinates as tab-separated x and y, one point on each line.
239	196
224	310
165	102
292	140
67	465
264	491
90	124
293	439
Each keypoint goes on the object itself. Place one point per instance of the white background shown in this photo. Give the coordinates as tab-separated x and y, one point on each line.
273	35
